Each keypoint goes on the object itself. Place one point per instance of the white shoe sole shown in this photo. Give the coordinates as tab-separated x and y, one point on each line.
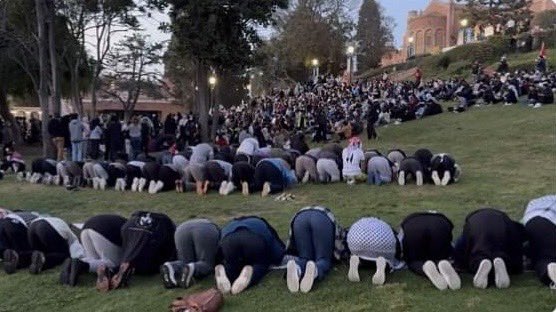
434	276
266	189
551	269
242	282
292	277
158	187
401	178
223	186
353	273
501	277
450	275
379	278
308	278
245	189
230	187
222	281
480	280
134	184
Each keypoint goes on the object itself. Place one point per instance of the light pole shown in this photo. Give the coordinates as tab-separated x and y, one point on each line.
410	51
212	84
350	52
463	23
315	63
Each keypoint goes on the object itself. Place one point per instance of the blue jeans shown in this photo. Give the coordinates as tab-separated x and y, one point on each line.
374	178
314	235
76	151
136	147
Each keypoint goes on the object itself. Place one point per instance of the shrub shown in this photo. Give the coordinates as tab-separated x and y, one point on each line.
444	61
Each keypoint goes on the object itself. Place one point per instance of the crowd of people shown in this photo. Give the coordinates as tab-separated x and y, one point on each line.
492	247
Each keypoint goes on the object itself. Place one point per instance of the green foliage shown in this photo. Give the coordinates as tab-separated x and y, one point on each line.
444	61
496	12
374	33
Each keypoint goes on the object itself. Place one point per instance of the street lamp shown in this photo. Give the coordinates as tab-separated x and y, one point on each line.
315	63
350	51
463	23
212	83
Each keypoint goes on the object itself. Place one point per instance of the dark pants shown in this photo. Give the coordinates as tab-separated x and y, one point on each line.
242	248
313	234
136	147
132	172
94	149
490	234
148	241
168	176
215	174
267	172
150	171
14	236
426	237
371	132
114	173
197	244
542	245
243	172
43	237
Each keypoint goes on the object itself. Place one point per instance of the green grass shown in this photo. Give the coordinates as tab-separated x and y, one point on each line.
508	156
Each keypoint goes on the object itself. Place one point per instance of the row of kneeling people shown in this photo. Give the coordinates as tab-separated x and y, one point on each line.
202	172
239	254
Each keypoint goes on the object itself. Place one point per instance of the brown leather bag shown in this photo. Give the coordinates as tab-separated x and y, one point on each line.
206	301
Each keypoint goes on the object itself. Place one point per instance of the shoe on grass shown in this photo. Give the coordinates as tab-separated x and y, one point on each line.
186	278
434	276
168	275
292	276
222	281
309	277
450	275
480	280
243	280
266	189
501	277
353	273
37	262
11	261
379	278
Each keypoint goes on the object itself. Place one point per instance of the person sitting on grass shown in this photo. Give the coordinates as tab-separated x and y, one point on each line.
249	246
427	248
374	242
540	226
197	245
490	239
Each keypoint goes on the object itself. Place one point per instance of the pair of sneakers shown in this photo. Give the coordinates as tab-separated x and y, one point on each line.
240	284
99	183
501	277
173	277
155	187
226	187
442	277
379	277
121	184
293	274
71	269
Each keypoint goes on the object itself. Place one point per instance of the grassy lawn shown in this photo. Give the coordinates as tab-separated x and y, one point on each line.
508	156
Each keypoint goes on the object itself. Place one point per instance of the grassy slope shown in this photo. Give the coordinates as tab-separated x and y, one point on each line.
508	155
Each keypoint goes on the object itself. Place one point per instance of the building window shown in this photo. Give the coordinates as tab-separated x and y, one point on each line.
428	40
439	38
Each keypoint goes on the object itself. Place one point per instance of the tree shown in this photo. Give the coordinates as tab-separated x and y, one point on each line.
132	71
181	73
218	35
374	32
496	12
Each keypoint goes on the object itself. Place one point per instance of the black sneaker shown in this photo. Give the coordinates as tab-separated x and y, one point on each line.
186	278
168	275
77	268
37	262
66	272
11	261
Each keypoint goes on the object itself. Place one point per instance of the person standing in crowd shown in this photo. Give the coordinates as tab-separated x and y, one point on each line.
76	136
134	129
114	139
86	136
57	134
95	138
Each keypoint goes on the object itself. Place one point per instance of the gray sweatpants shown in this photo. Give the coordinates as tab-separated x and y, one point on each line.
100	172
100	251
197	243
88	170
305	164
328	170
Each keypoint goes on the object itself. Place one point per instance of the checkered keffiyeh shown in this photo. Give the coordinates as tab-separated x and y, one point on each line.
541	207
370	238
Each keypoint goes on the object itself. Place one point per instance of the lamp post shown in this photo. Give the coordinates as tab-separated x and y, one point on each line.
463	23
212	84
350	52
315	64
410	51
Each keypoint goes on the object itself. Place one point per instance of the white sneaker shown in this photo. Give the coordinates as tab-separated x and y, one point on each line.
95	183
309	277
123	185
245	188
449	274
501	277
230	187
480	280
223	186
158	187
56	180
28	176
436	178
446	178
379	278
152	185
222	281
117	185
66	180
434	276
305	177
266	189
353	273
141	185
538	105
134	184
401	178
551	270
292	276
20	177
102	184
243	280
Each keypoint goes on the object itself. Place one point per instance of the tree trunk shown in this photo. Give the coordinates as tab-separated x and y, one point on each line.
93	91
202	99
54	68
76	102
7	115
43	75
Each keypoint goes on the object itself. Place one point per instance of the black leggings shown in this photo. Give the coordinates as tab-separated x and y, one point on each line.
542	245
43	237
150	171
267	172
148	241
13	235
114	173
215	174
168	176
243	172
427	236
242	248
